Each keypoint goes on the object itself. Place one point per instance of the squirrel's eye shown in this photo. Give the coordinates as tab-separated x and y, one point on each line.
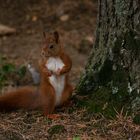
51	46
43	53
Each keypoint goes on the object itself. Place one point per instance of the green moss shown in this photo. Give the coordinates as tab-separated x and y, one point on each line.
121	8
136	119
56	129
98	102
112	92
132	40
86	84
105	73
104	101
97	65
76	138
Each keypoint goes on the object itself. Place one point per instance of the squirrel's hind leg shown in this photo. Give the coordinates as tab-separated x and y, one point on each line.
67	93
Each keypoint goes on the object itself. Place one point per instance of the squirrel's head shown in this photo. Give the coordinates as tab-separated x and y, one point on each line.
51	46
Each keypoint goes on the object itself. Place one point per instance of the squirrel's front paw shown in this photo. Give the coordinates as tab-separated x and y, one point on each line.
47	72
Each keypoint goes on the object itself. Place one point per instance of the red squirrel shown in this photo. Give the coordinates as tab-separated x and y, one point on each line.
54	89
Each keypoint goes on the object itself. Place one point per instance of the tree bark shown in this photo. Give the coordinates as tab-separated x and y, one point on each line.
112	74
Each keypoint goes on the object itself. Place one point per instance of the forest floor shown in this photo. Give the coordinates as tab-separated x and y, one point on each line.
76	23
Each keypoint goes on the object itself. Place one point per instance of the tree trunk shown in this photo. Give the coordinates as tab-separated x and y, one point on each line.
112	75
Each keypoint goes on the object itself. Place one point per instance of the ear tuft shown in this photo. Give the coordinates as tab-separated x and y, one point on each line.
56	35
44	34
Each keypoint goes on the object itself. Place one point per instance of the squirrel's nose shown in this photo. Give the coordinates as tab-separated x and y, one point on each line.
51	46
43	53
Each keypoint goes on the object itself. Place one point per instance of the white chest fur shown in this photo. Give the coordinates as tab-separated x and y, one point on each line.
58	82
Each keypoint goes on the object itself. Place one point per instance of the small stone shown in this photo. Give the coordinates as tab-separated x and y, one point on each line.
34	18
89	38
64	17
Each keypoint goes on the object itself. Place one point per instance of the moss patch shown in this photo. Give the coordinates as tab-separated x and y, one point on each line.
136	119
56	129
105	73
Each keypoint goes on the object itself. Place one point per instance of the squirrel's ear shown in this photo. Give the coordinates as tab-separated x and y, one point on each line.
44	34
56	35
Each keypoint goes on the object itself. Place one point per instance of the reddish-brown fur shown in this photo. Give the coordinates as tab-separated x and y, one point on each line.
44	97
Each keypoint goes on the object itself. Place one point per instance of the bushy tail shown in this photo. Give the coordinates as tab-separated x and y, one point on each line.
25	98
